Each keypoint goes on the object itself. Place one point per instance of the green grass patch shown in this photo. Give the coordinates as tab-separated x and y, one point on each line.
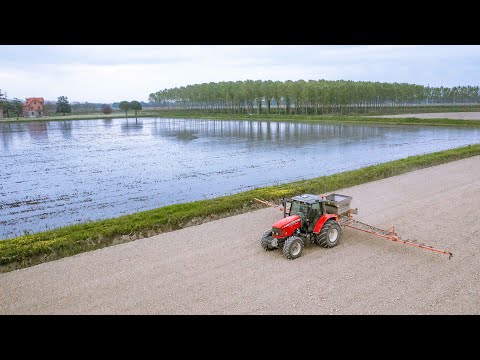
36	248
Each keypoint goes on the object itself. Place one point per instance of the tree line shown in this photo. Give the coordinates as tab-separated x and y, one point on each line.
130	105
14	107
10	108
310	97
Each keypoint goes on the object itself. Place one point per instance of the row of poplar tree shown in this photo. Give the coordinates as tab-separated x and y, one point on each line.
310	97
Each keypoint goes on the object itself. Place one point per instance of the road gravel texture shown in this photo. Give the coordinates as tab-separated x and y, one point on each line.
220	268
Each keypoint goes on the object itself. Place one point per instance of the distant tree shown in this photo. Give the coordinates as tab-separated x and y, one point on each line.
106	109
16	107
135	105
3	101
63	106
10	107
152	98
124	106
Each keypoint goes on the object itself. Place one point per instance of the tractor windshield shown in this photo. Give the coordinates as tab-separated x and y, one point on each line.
298	207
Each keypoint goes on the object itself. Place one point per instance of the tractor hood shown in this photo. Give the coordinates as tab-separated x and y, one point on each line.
286	222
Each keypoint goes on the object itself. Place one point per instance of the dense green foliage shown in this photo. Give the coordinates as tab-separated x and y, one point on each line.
36	248
10	108
3	98
130	105
311	97
63	105
15	107
135	106
124	106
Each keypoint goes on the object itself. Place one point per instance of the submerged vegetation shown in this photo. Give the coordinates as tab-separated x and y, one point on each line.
32	249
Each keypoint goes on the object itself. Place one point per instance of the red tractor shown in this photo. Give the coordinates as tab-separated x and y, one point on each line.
307	218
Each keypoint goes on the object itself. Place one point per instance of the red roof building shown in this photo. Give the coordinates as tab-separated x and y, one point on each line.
34	107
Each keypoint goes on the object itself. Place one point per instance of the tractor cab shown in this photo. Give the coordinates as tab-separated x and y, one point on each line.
309	207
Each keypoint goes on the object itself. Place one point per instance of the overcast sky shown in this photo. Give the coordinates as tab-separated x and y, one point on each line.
131	72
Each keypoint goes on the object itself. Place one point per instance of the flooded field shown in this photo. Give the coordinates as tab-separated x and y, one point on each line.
60	173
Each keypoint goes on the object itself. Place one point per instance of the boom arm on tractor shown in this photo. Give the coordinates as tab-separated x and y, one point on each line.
340	205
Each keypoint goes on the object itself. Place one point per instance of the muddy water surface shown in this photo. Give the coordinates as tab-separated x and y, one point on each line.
58	173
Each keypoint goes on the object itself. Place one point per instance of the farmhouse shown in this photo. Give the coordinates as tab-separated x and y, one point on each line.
34	107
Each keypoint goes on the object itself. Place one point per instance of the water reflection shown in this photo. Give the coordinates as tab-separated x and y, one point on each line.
132	126
66	172
6	134
289	132
38	131
66	127
186	135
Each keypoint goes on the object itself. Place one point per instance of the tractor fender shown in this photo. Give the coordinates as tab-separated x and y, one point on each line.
322	220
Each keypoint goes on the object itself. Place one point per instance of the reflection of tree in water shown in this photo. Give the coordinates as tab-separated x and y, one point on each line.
132	126
66	129
38	130
177	130
277	132
10	131
107	121
186	135
7	135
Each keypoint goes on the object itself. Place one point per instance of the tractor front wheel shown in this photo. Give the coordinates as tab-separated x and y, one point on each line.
293	247
267	240
329	235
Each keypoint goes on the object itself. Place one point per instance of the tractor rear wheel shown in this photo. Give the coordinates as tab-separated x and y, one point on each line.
293	247
329	235
267	240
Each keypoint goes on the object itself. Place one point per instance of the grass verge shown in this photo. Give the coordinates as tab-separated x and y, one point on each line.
33	249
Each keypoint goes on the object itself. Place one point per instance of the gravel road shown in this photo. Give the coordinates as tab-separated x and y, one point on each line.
220	268
446	115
